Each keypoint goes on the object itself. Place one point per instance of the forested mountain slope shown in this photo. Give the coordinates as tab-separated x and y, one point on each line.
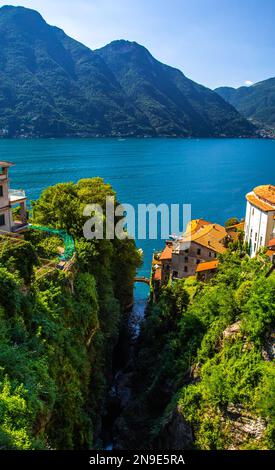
51	85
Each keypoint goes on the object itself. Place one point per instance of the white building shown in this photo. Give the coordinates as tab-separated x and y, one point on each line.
259	218
10	198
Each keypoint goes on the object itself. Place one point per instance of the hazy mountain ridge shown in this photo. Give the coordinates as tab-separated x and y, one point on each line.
256	102
52	85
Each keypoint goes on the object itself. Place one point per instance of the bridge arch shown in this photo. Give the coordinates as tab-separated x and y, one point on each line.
143	279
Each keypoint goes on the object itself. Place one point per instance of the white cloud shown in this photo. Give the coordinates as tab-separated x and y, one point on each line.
248	82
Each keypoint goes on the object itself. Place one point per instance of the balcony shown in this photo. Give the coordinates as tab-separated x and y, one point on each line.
16	196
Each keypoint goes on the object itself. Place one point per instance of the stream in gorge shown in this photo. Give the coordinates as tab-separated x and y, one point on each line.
120	392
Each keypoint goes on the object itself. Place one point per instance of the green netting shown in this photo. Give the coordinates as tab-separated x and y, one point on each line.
67	239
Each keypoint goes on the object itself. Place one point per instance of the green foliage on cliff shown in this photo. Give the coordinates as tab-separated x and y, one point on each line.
57	328
205	349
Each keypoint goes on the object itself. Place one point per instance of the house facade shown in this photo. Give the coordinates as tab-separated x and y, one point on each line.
9	199
259	218
201	243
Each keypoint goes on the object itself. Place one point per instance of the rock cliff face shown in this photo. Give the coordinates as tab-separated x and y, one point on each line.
268	351
243	426
175	434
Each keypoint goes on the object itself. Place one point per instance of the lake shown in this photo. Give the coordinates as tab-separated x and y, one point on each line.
213	175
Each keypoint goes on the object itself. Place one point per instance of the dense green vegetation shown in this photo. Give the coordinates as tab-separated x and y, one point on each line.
231	221
205	357
51	85
58	328
256	102
172	103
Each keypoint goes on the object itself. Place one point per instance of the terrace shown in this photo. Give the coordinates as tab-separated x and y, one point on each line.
16	196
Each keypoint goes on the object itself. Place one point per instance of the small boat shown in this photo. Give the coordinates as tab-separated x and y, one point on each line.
173	236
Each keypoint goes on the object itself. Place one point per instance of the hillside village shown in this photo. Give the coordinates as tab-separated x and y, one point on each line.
196	252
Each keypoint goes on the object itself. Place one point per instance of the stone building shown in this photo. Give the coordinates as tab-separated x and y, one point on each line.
10	198
201	242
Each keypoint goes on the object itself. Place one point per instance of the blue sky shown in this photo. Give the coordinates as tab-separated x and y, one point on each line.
214	42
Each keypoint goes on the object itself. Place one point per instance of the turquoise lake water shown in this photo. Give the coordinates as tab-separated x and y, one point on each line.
213	175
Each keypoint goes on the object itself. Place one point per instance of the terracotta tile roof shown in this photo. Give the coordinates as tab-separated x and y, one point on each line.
210	236
208	266
157	274
271	243
167	253
234	235
264	206
270	253
239	226
266	192
195	225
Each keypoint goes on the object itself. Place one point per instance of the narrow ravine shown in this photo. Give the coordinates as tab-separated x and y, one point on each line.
120	391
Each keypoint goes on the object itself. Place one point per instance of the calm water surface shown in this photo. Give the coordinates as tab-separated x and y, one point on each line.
211	174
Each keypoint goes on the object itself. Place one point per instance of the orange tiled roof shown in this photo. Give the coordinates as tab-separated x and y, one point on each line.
271	243
194	225
234	235
208	266
270	253
266	192
210	236
264	206
239	226
167	253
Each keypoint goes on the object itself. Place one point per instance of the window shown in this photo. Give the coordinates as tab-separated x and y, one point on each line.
261	241
215	255
253	210
1	191
251	232
186	259
255	246
198	251
198	261
2	219
175	273
185	269
256	236
210	254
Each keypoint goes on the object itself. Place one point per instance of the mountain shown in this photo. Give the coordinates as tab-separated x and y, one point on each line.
171	102
52	85
256	102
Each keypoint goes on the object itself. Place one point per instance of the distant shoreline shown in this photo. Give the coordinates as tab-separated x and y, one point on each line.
129	137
